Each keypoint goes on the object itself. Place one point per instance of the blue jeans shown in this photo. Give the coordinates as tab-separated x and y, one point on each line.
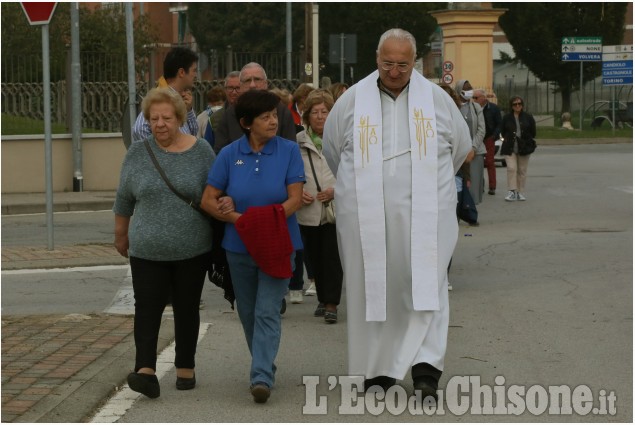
258	301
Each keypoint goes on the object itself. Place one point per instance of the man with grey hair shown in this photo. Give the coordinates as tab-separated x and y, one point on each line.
232	90
395	141
252	77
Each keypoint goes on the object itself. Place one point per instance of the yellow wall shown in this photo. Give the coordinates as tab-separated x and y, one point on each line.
468	36
23	164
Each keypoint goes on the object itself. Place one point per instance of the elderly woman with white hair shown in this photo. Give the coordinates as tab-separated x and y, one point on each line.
167	241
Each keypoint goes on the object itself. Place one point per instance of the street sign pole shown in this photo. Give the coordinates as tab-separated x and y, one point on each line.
48	146
342	58
613	108
40	13
581	93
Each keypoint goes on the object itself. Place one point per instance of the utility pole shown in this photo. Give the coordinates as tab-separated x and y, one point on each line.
76	102
316	44
289	41
308	38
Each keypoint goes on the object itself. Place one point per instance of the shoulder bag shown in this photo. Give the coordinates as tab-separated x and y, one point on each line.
185	199
526	146
217	267
328	209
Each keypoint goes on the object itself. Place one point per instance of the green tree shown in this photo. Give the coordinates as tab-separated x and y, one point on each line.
101	31
535	31
260	27
369	21
247	27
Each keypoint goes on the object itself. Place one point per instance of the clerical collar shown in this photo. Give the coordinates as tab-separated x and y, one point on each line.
383	88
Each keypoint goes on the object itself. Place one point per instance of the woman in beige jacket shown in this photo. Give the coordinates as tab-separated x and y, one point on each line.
320	239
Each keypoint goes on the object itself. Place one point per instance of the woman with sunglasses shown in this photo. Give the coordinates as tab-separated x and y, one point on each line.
518	131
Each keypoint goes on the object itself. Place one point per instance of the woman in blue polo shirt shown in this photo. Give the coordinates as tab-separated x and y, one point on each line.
259	169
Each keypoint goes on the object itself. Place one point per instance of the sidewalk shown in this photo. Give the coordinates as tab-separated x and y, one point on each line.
60	368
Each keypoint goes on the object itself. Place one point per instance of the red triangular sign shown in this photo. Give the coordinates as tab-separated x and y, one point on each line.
38	13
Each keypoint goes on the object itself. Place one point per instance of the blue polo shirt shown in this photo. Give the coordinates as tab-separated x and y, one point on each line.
255	179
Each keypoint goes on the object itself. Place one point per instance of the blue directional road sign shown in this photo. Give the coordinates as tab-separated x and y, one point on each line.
617	65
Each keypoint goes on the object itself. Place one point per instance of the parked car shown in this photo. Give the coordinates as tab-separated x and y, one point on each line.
497	153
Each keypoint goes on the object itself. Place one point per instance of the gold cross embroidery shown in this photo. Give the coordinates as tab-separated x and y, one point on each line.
424	130
367	136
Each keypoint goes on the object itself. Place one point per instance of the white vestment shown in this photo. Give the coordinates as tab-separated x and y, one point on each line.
406	337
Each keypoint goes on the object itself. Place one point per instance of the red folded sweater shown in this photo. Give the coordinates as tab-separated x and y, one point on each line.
264	232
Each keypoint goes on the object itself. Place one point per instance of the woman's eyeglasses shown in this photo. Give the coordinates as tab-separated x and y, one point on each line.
517	103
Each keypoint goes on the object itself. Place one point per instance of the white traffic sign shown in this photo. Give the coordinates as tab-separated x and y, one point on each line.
448	66
617	56
582	48
448	78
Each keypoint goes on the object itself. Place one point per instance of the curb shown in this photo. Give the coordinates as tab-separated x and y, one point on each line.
36	208
590	141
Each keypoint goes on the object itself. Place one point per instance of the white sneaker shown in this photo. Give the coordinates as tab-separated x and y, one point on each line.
311	291
520	197
449	286
295	297
511	196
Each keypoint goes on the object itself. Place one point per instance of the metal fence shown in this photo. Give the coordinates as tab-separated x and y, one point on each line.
104	86
102	103
541	98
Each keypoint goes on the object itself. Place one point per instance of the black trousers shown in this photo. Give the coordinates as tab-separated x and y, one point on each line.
320	246
154	282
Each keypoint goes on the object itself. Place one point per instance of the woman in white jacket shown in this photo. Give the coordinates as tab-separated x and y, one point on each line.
318	232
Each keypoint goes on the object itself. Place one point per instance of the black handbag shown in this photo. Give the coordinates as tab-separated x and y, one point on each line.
526	146
465	207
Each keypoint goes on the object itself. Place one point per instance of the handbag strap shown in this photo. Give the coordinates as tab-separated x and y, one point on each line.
185	199
313	170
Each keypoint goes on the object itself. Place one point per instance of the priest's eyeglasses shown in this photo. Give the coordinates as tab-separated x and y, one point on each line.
401	67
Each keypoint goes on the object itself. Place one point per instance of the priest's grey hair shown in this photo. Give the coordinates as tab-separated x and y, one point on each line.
398	34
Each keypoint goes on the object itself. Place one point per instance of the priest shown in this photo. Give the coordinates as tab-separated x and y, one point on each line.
395	141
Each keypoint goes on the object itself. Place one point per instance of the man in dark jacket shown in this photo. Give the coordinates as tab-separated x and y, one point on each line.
252	77
493	118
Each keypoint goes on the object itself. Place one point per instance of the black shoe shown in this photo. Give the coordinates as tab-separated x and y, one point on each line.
260	392
145	384
330	316
428	387
384	382
491	192
283	308
185	383
319	311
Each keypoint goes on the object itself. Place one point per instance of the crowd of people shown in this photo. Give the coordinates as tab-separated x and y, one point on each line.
322	180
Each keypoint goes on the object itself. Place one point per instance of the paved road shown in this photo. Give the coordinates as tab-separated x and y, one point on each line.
542	296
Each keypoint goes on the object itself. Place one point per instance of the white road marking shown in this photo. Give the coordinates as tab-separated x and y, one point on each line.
65	270
123	302
627	189
117	406
55	213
